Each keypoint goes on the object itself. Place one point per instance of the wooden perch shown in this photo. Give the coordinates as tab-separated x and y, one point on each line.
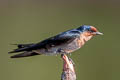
68	68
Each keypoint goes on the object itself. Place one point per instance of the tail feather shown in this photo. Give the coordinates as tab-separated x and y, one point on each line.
18	50
25	54
21	47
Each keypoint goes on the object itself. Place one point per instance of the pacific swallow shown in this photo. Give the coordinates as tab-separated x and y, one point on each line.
63	43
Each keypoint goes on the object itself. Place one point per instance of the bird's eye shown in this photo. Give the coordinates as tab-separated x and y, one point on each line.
92	31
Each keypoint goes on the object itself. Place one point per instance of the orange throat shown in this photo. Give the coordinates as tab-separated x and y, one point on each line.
84	37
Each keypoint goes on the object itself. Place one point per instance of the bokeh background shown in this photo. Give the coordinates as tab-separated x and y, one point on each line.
30	21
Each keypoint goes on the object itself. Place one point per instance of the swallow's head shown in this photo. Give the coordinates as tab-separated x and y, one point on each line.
90	30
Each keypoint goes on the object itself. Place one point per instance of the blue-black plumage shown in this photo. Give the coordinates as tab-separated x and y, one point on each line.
63	43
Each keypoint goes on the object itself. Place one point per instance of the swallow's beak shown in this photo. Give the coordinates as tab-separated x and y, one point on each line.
98	33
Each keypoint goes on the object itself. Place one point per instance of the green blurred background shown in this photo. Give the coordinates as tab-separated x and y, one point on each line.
28	21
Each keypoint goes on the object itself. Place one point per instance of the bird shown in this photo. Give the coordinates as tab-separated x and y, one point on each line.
68	68
63	43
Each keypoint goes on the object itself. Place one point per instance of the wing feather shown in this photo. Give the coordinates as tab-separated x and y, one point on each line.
60	39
